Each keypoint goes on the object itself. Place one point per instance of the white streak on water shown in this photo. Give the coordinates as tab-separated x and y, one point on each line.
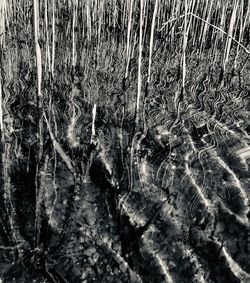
93	132
235	178
236	269
197	187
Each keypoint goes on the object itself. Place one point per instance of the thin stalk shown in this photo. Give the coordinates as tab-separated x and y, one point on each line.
1	111
128	37
229	35
74	7
53	38
47	36
139	63
3	17
151	44
185	35
38	49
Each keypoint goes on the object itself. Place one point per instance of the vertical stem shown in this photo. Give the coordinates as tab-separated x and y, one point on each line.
139	63
3	18
230	34
89	26
152	40
38	50
47	36
128	37
184	48
1	110
53	38
74	7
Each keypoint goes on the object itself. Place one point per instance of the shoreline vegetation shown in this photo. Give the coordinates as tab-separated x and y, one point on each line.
124	141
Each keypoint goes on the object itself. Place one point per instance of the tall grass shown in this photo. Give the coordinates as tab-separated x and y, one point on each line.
118	22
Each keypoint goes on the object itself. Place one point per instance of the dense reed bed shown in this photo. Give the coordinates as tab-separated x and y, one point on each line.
124	141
